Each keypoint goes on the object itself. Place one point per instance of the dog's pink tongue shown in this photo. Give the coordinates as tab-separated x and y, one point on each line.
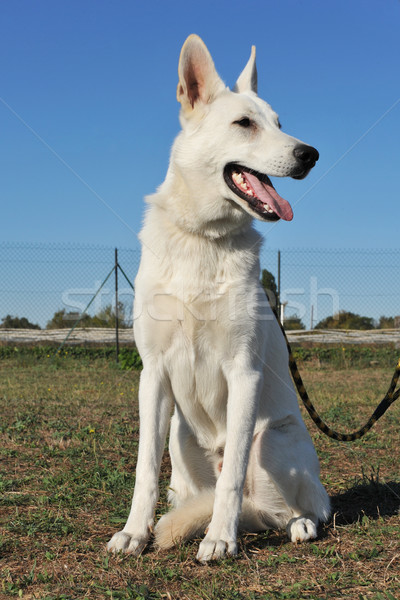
268	195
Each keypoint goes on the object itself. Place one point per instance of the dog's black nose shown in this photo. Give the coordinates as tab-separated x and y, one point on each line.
307	155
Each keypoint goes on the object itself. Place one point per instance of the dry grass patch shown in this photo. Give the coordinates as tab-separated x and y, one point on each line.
68	442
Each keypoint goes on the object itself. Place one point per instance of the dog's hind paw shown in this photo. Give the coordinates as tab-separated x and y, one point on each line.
301	529
124	542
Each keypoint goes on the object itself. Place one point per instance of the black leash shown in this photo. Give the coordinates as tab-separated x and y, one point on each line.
389	398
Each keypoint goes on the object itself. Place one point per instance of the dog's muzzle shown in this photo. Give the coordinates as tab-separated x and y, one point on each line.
306	157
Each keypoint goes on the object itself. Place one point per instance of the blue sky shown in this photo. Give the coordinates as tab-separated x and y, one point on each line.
88	111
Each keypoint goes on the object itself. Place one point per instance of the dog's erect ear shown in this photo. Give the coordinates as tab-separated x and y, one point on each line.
247	81
198	79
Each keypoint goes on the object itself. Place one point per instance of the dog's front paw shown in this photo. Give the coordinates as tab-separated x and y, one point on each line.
301	529
126	543
210	549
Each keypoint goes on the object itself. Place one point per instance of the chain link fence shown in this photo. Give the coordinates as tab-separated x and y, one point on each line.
317	284
39	280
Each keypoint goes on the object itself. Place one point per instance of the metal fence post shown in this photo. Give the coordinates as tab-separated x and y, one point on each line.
116	307
278	300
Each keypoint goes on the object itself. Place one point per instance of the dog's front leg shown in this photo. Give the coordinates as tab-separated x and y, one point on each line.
154	412
243	393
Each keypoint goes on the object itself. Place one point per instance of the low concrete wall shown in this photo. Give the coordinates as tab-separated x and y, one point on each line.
97	335
93	335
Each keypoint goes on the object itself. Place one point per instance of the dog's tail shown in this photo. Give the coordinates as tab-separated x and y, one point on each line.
191	519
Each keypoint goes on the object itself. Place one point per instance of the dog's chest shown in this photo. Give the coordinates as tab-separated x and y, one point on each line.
193	316
194	361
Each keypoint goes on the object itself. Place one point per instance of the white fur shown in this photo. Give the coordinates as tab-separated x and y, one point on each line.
210	345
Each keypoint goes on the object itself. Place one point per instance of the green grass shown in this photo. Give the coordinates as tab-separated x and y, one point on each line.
68	443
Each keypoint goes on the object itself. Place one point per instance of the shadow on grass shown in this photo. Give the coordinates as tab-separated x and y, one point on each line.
373	499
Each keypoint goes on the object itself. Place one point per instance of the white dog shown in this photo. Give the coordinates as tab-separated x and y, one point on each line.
211	347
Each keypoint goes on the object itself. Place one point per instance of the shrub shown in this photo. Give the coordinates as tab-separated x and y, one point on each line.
10	322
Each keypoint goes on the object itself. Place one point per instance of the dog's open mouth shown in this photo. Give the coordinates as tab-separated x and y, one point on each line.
258	192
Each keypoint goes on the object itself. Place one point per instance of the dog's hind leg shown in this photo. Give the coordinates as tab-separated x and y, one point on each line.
191	490
283	480
192	467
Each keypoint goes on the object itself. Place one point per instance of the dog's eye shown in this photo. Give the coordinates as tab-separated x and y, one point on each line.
245	122
279	124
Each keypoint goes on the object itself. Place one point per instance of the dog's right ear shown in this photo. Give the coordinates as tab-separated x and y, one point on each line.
199	81
247	81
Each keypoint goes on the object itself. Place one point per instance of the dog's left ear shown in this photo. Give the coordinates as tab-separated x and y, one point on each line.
247	81
199	82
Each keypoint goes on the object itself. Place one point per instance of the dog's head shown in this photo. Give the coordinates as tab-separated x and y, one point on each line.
234	138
